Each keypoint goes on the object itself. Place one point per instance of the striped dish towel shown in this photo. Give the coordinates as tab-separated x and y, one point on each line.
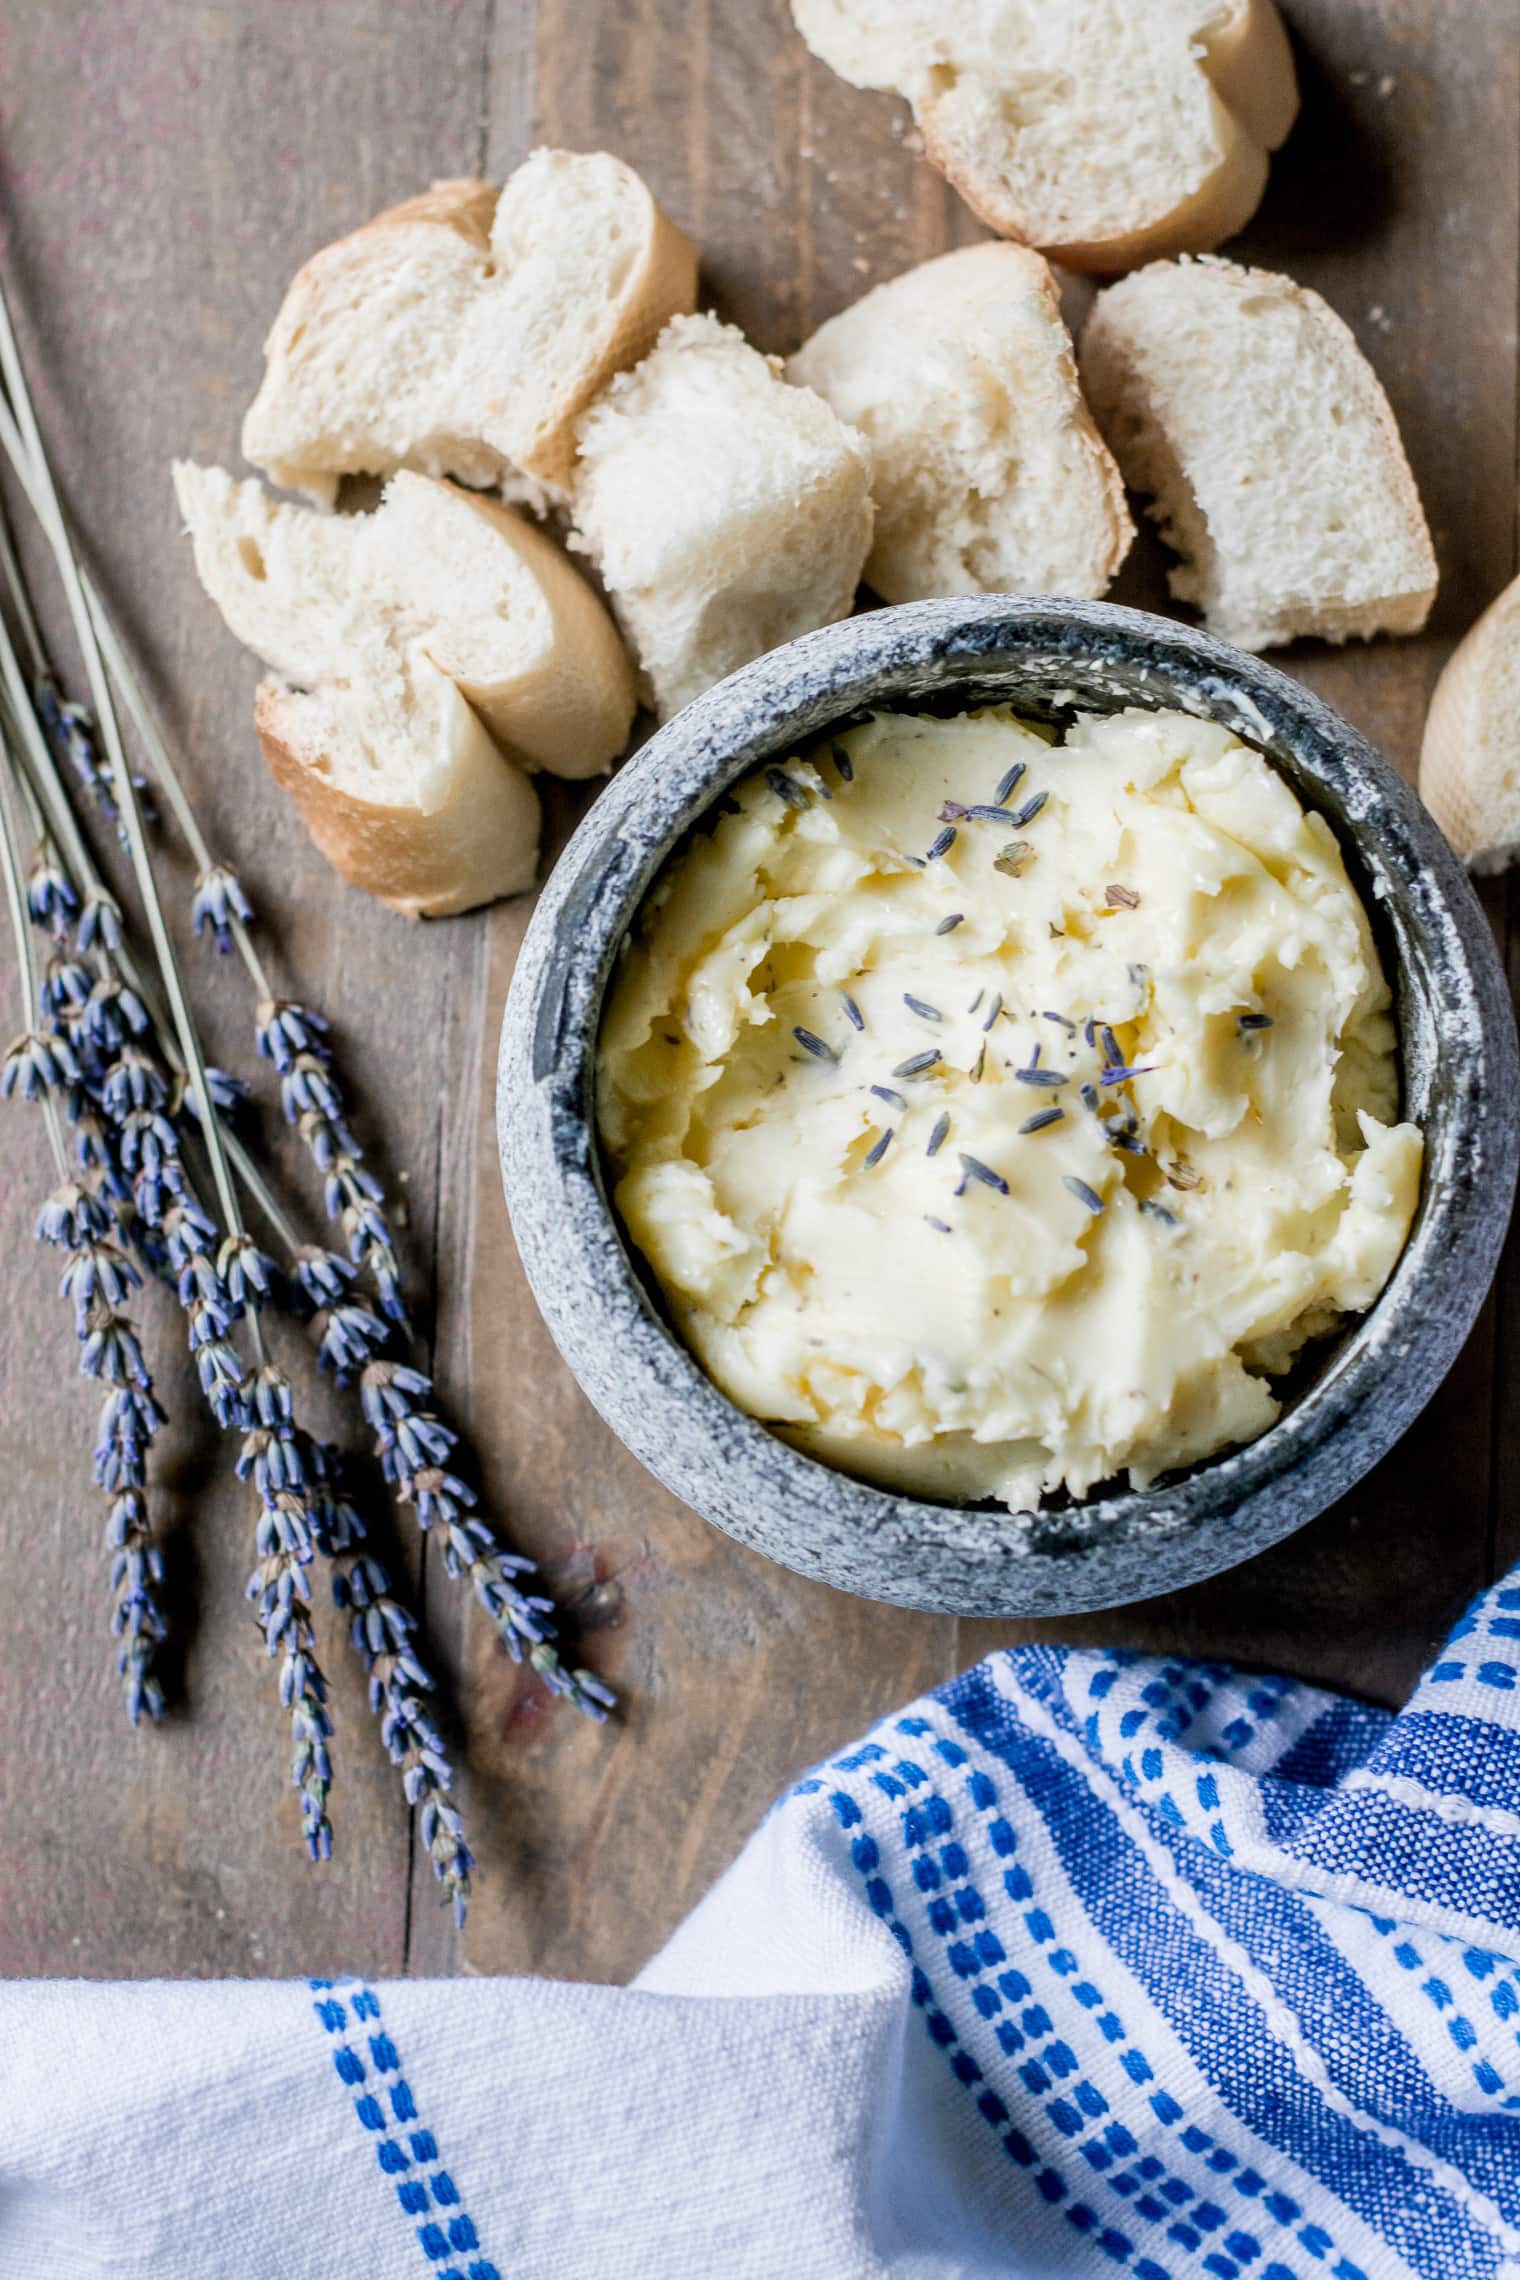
1086	1964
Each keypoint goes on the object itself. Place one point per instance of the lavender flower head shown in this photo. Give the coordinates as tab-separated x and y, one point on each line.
219	901
381	1632
286	1468
50	897
98	1276
70	731
37	1062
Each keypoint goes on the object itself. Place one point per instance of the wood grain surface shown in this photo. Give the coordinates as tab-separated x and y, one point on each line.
164	165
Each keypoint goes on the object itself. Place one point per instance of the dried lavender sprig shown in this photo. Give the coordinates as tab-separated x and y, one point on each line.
217	1284
123	1000
381	1632
414	1445
213	1281
278	1461
297	1479
137	1574
112	1014
75	1219
119	1007
214	1294
294	1037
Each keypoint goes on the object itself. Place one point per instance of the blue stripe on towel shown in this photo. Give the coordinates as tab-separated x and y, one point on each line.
406	2152
1470	1758
1466	1870
1341	1738
1204	2002
1079	2145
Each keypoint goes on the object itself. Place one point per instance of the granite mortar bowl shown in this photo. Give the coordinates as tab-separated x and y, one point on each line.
1460	1080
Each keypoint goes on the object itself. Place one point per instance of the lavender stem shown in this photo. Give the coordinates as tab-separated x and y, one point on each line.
165	774
51	515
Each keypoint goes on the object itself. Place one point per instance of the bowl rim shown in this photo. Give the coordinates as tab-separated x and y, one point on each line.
974	1560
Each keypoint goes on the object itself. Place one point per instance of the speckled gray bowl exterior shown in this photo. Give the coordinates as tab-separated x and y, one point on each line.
1460	1074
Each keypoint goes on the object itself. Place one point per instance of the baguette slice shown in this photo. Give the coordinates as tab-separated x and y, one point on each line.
1242	405
504	612
725	511
489	599
400	786
1470	758
988	472
462	334
1106	132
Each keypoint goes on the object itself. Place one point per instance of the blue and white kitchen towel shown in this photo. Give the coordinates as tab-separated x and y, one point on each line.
1085	1964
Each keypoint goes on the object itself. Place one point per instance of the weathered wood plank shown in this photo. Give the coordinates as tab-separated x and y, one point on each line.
508	64
164	168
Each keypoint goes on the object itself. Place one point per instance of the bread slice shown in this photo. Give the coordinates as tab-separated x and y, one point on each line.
502	610
725	511
988	472
1470	759
462	333
407	631
1105	132
400	785
1242	405
486	597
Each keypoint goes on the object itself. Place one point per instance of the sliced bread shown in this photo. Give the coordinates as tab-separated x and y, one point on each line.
388	623
1241	405
1470	759
504	612
988	472
1105	132
462	333
725	511
400	785
486	596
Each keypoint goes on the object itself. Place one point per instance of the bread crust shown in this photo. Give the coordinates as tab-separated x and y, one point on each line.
667	287
1469	772
425	866
460	202
663	284
571	714
1247	60
1250	62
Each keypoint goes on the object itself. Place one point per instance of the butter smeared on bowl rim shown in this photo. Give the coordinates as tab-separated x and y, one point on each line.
998	1116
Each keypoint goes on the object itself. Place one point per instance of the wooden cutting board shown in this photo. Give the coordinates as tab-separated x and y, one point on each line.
164	164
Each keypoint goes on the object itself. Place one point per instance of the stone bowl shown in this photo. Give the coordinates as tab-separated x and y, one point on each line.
1459	1068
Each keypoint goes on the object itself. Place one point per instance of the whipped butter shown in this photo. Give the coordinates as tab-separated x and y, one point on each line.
1000	1116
